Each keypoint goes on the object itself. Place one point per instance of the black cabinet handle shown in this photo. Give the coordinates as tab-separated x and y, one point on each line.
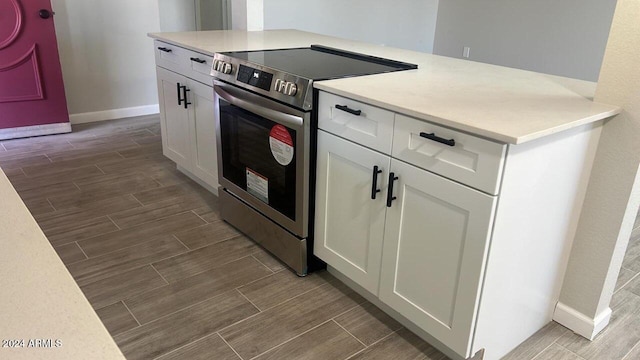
184	98
390	197
199	61
374	182
349	110
179	98
165	49
432	136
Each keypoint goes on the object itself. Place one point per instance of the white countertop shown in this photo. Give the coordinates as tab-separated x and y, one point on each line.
39	299
507	105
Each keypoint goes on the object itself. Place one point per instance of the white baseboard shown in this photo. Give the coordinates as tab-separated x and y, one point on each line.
579	323
114	114
34	130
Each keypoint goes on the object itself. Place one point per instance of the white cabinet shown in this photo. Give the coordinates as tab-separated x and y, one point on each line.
174	118
443	258
421	253
435	241
187	115
349	223
203	133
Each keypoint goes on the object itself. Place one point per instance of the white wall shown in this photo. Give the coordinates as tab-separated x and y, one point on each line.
247	14
107	58
177	15
613	195
564	38
407	24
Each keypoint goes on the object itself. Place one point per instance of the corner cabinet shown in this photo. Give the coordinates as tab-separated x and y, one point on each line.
407	213
187	116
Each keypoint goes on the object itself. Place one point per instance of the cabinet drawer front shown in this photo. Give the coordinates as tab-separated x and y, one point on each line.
373	127
200	66
170	56
465	158
436	240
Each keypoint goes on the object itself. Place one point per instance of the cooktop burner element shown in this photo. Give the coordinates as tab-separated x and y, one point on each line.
287	75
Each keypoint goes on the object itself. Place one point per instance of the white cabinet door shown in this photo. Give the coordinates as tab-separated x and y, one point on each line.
349	223
436	239
203	133
174	118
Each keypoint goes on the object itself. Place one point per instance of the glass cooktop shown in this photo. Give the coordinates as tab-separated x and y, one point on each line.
320	62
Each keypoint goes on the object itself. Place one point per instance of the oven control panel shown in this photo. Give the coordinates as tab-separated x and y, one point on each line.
254	77
270	82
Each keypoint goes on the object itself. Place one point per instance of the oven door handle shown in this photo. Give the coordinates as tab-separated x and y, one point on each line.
260	106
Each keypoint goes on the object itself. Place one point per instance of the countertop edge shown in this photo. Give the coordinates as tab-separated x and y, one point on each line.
491	135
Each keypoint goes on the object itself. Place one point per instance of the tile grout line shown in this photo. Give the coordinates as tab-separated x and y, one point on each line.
130	313
51	204
102	171
628	281
181	243
374	343
113	222
254	315
569	350
261	263
630	351
545	349
250	302
203	271
194	213
84	253
162	277
314	288
139	202
290	340
183	309
229	345
348	332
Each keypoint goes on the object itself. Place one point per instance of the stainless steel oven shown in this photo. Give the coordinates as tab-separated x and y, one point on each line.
264	155
266	143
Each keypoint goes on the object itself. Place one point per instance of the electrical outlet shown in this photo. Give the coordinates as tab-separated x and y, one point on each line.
465	52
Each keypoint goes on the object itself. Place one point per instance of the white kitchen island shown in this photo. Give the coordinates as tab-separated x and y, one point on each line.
472	251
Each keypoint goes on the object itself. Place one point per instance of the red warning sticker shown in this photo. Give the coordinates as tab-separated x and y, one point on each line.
281	144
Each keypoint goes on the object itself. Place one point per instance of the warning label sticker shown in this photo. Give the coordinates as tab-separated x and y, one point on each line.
281	144
258	185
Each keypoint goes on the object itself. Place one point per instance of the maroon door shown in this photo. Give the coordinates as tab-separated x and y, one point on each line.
31	87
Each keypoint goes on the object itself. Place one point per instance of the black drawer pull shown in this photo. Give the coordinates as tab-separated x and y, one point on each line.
199	61
165	49
179	97
390	197
349	110
432	136
374	182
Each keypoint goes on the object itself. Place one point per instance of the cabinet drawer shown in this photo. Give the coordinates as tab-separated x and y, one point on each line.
170	56
364	124
200	66
461	157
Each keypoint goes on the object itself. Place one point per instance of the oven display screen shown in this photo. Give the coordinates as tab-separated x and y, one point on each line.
255	77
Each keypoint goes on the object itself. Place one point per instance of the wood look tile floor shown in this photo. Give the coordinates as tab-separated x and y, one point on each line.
170	280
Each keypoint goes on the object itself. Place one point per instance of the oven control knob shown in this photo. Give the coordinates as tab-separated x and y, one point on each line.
290	89
216	65
227	68
279	85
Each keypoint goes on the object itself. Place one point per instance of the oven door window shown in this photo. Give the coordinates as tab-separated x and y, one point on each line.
258	155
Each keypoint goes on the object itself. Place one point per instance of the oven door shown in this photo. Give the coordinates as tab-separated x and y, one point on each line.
263	155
